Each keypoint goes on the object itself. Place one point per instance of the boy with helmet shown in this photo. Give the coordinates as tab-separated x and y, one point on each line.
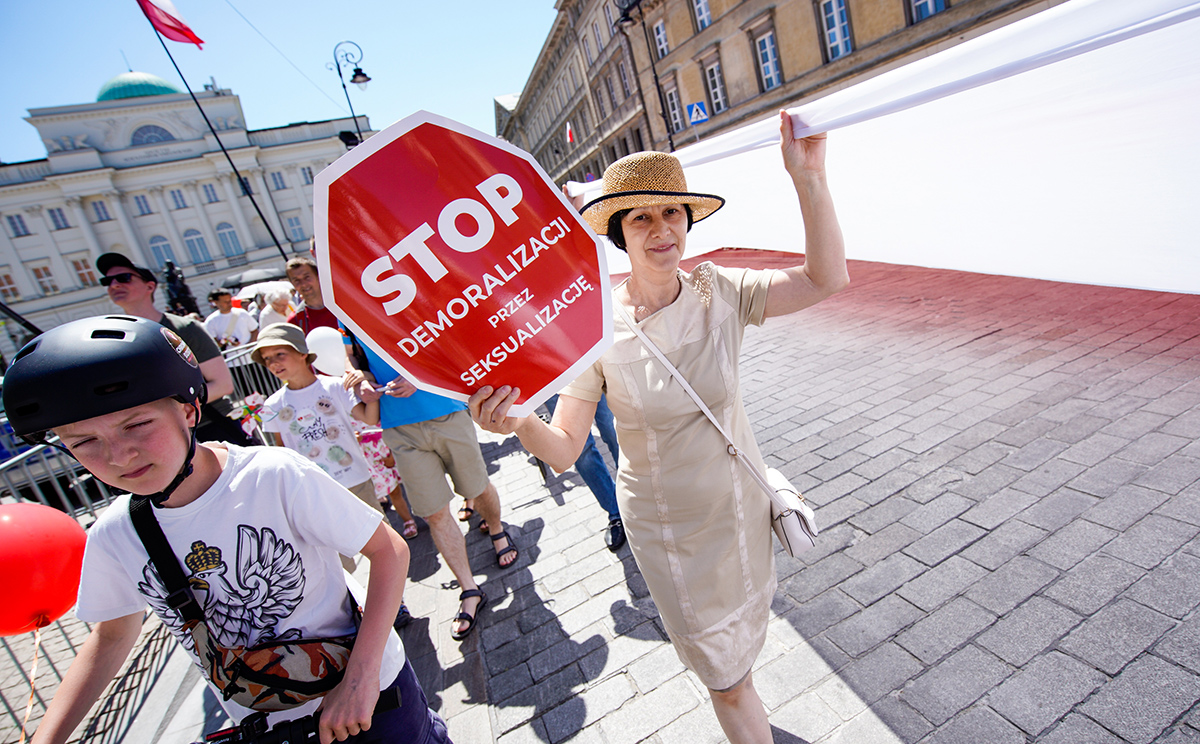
256	531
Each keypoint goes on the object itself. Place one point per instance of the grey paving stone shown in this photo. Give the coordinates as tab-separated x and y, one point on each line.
568	719
937	512
1134	425
1057	509
1172	588
1182	645
1185	507
1181	735
881	578
931	484
989	481
1151	540
1116	635
1011	584
1172	475
945	629
886	512
997	508
647	713
1093	583
1079	427
1033	454
821	612
553	691
937	585
980	456
1071	544
1028	630
1004	543
808	717
870	550
1153	448
884	670
1144	699
1076	729
1094	449
820	576
782	679
1045	691
941	692
943	542
861	632
1104	479
1125	507
697	726
655	668
1049	477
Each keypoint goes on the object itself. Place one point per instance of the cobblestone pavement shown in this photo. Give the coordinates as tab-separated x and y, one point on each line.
1006	472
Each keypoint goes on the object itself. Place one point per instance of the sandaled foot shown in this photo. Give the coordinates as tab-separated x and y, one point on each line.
508	549
469	618
410	529
483	526
466	512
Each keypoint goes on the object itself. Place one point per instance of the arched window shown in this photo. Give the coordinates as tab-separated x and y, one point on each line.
160	248
196	246
150	134
230	244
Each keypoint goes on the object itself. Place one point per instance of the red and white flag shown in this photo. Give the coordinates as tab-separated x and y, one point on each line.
570	134
166	21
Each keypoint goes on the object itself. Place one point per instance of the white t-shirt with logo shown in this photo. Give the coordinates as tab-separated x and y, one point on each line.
316	422
232	329
263	541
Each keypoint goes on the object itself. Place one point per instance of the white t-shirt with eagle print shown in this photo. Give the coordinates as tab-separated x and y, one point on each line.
261	549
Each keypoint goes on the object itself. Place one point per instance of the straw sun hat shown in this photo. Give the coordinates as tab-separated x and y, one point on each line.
642	180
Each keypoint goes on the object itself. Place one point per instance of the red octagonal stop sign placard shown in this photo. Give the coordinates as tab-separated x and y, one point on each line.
452	254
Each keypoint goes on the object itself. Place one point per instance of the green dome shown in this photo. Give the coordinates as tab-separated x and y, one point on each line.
135	85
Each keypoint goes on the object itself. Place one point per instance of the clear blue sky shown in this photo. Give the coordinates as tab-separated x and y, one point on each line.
451	58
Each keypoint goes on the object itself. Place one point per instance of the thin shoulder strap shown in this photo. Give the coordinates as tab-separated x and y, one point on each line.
733	448
179	593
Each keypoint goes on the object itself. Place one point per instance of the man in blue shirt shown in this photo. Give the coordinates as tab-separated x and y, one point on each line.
432	437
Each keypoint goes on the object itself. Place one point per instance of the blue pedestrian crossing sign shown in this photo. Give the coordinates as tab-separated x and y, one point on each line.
696	113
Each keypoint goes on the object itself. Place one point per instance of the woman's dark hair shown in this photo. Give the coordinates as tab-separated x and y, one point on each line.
617	235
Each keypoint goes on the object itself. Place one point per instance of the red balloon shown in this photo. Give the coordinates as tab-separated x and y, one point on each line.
41	556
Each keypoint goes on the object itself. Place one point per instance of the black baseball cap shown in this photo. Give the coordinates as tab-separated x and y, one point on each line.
112	260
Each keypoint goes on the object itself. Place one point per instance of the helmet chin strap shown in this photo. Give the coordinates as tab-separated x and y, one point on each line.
159	498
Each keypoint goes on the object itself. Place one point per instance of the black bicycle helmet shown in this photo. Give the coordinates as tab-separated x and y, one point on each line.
95	366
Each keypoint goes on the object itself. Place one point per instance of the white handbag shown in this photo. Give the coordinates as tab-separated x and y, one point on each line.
792	518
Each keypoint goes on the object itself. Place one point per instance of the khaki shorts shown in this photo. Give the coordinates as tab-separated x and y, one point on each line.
429	450
365	492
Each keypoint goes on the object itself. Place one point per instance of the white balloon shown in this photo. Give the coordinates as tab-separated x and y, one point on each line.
327	344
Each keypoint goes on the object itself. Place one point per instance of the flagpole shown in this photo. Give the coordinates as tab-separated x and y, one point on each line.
244	184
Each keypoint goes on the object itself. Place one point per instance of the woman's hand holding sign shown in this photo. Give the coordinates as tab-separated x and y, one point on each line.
489	407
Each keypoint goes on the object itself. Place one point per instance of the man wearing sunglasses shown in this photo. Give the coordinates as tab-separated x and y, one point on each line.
132	289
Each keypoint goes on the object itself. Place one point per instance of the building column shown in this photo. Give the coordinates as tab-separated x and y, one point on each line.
89	234
172	228
232	192
296	182
25	286
210	235
267	204
67	280
136	254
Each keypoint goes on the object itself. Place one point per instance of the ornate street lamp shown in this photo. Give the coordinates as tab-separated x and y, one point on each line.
347	54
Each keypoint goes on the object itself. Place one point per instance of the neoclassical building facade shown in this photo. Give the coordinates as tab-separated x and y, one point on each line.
138	172
625	74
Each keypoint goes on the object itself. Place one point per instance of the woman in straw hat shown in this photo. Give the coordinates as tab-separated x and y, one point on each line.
698	525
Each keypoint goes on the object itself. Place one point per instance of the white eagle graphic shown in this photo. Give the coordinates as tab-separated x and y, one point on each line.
244	611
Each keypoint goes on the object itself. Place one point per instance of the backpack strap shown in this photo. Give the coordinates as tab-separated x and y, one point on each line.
179	593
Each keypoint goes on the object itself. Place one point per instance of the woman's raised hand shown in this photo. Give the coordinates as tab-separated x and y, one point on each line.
802	157
489	408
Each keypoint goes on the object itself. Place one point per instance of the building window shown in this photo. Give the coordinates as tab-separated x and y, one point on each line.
45	279
160	247
703	16
716	87
16	225
58	219
600	105
100	209
637	139
596	33
210	193
295	228
768	61
587	51
574	78
83	270
142	203
612	94
624	79
8	288
150	135
660	39
277	181
608	17
177	199
306	173
922	9
246	189
230	245
198	250
674	113
837	28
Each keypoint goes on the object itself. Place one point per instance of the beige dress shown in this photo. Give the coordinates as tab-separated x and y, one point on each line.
698	524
